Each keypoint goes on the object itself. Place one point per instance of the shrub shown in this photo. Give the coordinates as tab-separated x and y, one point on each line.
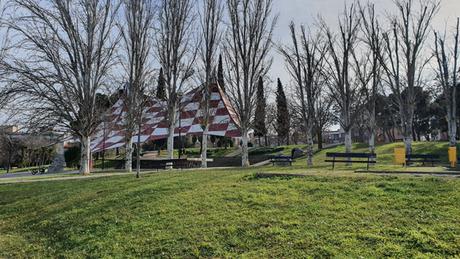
72	156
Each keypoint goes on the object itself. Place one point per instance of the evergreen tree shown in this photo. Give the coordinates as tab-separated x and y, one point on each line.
282	115
161	90
220	74
260	129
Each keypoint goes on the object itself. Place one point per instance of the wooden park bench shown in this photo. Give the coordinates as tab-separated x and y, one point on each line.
281	160
422	158
181	163
367	158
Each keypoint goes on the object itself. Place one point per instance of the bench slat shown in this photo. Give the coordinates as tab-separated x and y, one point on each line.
422	156
351	161
352	155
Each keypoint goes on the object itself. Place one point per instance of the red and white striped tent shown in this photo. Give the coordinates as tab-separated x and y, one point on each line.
223	120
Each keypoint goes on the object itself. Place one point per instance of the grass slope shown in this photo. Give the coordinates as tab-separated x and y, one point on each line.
385	156
229	213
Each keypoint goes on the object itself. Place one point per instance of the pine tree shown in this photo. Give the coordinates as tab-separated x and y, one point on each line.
220	74
282	115
161	90
260	129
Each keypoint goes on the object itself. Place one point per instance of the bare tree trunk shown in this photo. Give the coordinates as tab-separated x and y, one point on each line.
407	127
320	139
138	155
171	142
245	149
408	144
85	159
129	154
372	142
408	135
372	128
348	142
204	155
8	166
452	132
310	147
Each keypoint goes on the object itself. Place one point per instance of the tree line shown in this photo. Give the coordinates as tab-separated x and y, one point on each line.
61	54
375	60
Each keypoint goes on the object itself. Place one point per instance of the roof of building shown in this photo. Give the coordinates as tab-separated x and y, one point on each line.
223	119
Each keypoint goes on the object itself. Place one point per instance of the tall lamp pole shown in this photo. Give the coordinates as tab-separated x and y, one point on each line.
103	144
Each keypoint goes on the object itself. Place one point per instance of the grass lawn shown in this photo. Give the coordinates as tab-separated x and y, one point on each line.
230	213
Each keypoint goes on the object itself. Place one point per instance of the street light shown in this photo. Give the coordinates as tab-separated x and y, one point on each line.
103	141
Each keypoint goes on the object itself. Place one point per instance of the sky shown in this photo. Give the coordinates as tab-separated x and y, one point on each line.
307	11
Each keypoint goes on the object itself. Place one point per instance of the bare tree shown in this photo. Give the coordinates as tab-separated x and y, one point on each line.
67	50
249	40
323	115
210	18
344	91
448	76
368	68
404	62
9	148
305	61
176	53
136	32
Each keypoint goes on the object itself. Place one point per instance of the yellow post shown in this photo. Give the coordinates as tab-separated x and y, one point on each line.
400	156
453	156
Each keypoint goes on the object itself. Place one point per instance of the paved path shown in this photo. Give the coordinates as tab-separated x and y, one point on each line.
74	175
27	174
70	175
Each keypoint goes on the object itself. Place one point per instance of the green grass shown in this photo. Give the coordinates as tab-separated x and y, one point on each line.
229	213
385	157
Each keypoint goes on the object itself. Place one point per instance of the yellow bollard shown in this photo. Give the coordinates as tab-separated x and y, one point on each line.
453	156
400	156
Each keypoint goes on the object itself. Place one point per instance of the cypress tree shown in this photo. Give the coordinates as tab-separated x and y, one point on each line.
282	115
260	129
161	88
220	74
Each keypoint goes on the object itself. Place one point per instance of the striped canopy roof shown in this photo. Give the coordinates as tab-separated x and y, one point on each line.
223	120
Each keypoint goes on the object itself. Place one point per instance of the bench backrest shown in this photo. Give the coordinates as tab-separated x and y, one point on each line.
423	156
281	157
171	160
351	155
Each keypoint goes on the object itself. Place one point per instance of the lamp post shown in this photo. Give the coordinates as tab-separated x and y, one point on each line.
179	97
103	143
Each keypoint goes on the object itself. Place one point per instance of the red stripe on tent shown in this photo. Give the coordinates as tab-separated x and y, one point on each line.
218	127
